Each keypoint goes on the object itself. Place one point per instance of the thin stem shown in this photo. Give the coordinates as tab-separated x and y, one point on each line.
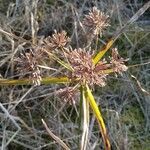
56	138
46	80
85	132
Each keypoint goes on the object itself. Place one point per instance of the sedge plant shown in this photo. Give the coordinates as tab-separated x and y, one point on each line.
82	68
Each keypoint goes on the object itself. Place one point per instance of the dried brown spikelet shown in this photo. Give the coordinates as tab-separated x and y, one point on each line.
58	40
27	66
96	21
118	62
84	68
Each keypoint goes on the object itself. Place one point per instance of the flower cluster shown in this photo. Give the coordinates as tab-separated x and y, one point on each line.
84	68
58	40
96	21
28	66
86	71
117	62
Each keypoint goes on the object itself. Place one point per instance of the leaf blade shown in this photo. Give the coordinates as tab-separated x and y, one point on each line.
99	117
46	80
102	51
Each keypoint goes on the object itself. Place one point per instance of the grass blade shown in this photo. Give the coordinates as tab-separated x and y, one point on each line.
99	117
46	80
102	51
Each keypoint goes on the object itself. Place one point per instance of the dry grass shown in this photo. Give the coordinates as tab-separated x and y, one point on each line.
126	108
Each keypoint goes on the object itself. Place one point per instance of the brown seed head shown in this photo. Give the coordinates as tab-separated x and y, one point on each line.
84	68
117	62
96	21
27	66
58	40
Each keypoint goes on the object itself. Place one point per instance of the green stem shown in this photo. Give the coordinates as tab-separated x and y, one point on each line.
46	80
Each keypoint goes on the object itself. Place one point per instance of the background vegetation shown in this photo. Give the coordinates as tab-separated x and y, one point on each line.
125	105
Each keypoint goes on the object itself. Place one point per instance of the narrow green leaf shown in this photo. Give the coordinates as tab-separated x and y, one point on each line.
102	51
46	80
96	111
